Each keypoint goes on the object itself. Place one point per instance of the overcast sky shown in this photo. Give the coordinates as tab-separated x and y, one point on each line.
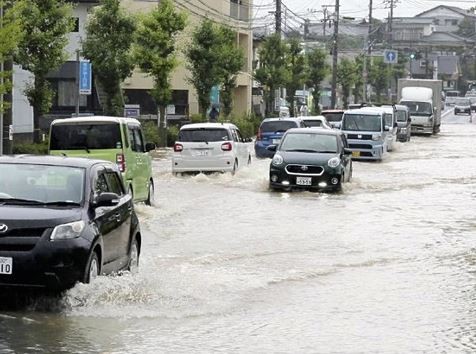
312	9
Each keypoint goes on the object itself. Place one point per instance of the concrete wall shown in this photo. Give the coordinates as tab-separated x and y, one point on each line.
22	112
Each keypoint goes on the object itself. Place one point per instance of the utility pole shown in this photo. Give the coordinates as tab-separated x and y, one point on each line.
2	84
367	43
278	16
334	55
325	21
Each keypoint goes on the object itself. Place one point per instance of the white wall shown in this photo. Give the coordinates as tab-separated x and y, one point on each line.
81	11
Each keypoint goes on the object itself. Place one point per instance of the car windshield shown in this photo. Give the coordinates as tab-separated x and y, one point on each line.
401	116
333	117
203	135
40	184
310	142
85	136
418	108
462	101
362	122
274	126
452	93
313	122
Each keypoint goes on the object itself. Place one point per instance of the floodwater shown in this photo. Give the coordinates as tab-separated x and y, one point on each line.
389	265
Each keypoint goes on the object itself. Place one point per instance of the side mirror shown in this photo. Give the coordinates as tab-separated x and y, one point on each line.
272	148
106	199
409	120
395	125
386	128
347	151
149	147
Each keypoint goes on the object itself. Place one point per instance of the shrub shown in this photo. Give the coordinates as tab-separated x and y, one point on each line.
172	135
247	123
151	132
197	118
30	148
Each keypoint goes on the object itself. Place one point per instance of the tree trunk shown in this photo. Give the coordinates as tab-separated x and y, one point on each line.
162	127
316	96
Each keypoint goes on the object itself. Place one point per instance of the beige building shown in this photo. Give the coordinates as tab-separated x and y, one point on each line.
233	13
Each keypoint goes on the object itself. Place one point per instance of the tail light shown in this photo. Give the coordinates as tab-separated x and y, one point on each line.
121	162
178	147
260	135
226	146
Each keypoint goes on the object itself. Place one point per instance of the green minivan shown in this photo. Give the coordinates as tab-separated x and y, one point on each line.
114	139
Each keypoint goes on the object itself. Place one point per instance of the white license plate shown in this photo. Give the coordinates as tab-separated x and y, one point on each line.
201	153
6	266
304	181
276	141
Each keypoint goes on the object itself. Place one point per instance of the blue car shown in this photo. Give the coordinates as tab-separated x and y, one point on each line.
271	131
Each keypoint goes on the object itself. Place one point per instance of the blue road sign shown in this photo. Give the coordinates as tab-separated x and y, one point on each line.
390	56
85	84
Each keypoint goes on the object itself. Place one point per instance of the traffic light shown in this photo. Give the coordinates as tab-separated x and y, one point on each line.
412	56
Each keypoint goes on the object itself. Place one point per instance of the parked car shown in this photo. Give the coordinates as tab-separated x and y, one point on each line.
316	121
313	158
462	105
115	139
334	117
450	97
210	147
472	101
404	123
64	220
271	131
366	133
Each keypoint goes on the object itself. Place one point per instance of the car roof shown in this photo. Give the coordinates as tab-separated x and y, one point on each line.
313	118
81	162
366	110
317	130
107	119
332	111
208	125
386	108
287	119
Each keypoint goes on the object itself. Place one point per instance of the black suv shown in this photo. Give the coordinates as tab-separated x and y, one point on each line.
64	220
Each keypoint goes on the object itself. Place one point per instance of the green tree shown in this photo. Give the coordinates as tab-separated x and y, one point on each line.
346	73
272	71
379	77
46	24
10	34
154	51
359	79
296	63
203	63
318	69
466	27
231	62
109	38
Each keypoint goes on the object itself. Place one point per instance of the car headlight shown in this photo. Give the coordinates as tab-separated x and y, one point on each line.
376	137
334	162
67	231
277	160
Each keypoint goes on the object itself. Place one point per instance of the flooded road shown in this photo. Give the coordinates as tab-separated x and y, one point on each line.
389	265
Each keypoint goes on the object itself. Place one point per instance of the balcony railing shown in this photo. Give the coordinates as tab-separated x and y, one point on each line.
239	11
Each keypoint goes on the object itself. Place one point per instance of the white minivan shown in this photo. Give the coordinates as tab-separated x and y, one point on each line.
210	147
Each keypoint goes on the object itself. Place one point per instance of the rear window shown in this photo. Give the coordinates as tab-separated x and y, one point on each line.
277	126
313	123
204	134
401	116
333	117
87	135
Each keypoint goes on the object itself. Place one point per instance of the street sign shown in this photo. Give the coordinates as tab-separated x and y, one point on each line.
390	56
85	78
131	110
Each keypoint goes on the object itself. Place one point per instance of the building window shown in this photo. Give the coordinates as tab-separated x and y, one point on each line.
454	22
436	22
76	24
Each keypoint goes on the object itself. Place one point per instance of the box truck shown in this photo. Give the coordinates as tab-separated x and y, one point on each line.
423	99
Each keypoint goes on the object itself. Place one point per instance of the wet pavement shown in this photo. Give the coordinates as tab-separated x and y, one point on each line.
389	265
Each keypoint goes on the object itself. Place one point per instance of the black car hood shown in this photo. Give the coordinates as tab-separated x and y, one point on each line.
21	216
306	158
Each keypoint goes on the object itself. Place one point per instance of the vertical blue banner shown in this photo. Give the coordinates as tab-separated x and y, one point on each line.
85	75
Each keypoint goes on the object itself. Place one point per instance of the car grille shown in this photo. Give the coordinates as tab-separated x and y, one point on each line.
360	146
304	170
359	136
20	240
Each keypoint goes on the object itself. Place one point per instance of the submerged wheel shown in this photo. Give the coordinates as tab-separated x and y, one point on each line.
93	268
151	195
235	167
249	160
133	266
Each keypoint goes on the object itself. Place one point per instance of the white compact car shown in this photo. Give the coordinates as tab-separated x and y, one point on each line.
210	147
316	121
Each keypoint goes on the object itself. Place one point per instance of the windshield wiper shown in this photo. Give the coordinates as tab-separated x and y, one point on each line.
62	203
280	131
302	150
328	152
20	201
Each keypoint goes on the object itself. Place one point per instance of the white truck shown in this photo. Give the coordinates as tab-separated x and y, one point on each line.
423	99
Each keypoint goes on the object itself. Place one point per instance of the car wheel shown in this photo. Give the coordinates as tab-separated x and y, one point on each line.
249	160
134	254
93	268
130	191
151	196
